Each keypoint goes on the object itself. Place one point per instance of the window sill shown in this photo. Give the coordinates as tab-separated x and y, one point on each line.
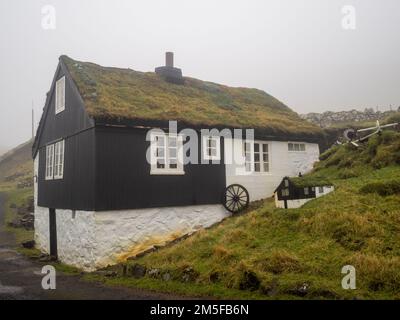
166	173
59	111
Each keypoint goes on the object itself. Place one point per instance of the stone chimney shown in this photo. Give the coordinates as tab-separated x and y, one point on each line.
169	72
169	59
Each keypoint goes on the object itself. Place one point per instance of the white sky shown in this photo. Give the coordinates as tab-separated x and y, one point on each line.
296	50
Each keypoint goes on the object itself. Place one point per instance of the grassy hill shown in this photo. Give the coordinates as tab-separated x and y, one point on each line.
16	182
271	253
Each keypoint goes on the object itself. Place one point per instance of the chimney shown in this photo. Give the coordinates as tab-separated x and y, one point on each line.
169	59
168	72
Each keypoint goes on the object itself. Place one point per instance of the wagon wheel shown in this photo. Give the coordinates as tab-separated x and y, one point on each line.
235	198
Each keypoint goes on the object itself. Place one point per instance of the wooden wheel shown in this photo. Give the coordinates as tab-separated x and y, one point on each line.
235	198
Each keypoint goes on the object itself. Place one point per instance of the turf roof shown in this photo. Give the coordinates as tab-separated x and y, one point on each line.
310	181
118	95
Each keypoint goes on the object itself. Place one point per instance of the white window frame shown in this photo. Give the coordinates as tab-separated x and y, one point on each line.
249	155
296	147
60	95
206	148
59	149
49	162
165	157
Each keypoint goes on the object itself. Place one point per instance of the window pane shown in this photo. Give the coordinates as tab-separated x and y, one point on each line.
257	167
290	145
213	143
306	191
296	147
172	152
213	152
265	147
256	147
160	140
160	152
256	157
302	147
160	164
265	157
172	141
266	167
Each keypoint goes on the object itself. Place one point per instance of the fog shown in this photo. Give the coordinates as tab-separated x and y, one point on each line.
297	51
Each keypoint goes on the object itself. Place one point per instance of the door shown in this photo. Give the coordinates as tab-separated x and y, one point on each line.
53	232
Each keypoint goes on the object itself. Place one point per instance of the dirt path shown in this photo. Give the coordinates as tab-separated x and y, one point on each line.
20	278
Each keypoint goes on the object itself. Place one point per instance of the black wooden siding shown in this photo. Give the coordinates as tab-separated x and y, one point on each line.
68	122
76	189
295	193
123	179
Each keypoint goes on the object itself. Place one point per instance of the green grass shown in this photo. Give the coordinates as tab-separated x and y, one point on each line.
19	197
269	253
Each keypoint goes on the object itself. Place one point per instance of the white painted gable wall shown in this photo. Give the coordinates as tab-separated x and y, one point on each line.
281	163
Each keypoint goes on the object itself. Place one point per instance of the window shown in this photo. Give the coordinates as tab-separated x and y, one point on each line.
59	160
320	189
286	183
211	148
166	154
55	161
296	146
49	161
247	156
306	191
256	156
60	95
285	192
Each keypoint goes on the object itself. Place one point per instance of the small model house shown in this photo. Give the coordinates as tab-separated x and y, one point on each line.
108	187
295	192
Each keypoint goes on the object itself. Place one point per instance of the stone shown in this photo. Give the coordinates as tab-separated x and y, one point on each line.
137	271
153	273
166	276
28	244
106	273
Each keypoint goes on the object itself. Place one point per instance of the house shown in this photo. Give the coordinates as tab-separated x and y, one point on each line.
295	192
111	176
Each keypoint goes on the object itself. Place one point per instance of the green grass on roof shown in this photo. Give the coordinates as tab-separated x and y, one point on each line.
112	93
310	181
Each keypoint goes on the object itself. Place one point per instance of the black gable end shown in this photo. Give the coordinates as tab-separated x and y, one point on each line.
69	122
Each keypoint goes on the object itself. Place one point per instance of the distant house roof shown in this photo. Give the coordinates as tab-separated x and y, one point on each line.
123	95
309	181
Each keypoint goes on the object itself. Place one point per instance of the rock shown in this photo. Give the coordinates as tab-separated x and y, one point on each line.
137	271
106	273
47	258
166	276
300	291
153	273
28	244
189	274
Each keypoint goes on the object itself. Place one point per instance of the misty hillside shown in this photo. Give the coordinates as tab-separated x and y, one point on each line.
16	166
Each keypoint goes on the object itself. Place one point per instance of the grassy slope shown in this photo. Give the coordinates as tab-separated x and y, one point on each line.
128	94
16	167
285	249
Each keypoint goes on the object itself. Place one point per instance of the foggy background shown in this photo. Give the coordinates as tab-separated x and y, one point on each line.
295	50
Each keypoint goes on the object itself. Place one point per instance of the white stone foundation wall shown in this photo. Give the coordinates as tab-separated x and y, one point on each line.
92	240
